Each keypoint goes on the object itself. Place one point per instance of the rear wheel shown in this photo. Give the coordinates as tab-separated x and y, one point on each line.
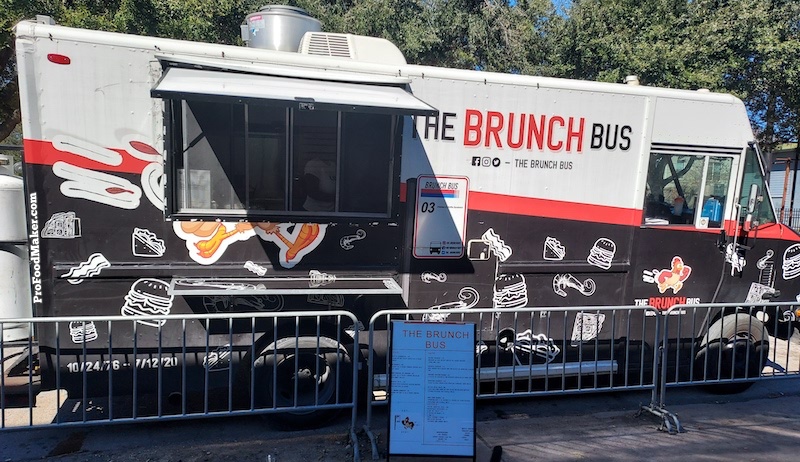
301	374
735	347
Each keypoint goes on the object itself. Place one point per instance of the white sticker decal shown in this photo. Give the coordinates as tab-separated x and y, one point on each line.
586	327
319	279
731	256
98	187
242	303
766	269
602	253
791	262
153	184
82	331
496	245
148	297
336	300
145	243
87	269
255	268
553	250
564	281
526	342
87	150
510	291
346	242
219	359
428	277
467	298
62	225
756	293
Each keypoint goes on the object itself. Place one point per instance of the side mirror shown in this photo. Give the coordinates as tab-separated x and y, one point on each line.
751	203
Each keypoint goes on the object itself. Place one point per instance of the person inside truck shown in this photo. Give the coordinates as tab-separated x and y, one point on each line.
319	181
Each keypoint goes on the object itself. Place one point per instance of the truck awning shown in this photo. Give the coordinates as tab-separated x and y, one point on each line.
182	83
324	284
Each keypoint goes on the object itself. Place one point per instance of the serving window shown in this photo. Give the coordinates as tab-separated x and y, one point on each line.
237	149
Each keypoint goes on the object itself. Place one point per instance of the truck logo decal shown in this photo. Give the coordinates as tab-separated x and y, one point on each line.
602	253
568	281
207	241
87	269
731	256
146	244
766	269
336	300
672	278
62	225
320	279
467	298
87	150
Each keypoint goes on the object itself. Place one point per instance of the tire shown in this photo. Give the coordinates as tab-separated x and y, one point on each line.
735	347
279	367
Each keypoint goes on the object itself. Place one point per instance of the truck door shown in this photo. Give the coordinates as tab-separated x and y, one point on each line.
685	207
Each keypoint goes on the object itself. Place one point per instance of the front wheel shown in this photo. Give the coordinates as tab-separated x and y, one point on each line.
735	347
300	374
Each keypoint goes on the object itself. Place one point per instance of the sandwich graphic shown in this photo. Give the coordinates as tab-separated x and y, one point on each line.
146	244
148	297
553	250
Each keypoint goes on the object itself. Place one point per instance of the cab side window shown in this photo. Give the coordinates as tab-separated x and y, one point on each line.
686	190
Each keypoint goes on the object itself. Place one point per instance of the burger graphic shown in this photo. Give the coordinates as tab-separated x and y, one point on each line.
602	253
148	297
791	262
510	291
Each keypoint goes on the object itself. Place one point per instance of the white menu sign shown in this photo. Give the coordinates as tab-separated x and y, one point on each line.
432	389
441	216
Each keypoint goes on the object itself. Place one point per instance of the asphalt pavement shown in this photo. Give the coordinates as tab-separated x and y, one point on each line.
760	424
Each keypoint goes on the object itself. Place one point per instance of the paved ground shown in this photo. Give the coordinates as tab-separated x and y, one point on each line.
760	424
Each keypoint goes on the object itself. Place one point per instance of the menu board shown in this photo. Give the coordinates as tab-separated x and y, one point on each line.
441	216
432	389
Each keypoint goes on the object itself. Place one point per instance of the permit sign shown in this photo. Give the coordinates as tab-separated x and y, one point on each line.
432	390
441	216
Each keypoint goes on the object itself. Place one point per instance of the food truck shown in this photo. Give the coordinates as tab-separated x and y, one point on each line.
314	170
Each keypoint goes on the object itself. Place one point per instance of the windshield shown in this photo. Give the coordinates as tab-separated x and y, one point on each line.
754	174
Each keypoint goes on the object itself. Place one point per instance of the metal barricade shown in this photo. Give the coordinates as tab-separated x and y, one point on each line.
525	352
733	345
120	369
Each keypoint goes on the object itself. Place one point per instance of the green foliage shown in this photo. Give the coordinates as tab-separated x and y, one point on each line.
747	47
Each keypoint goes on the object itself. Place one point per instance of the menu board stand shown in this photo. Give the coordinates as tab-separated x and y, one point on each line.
432	391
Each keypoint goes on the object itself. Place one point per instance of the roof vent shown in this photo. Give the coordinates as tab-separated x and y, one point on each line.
320	44
355	47
632	80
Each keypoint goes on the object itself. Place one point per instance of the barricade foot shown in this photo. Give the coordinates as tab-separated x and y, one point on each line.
669	421
373	441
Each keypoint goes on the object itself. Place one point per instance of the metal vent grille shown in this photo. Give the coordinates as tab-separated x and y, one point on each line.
329	45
